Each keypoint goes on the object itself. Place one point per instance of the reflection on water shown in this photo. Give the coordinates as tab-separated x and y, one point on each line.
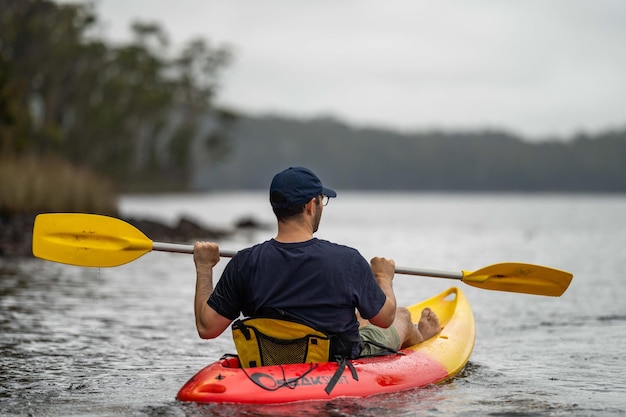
122	341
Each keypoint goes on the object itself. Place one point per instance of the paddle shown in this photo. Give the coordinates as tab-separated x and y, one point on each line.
101	241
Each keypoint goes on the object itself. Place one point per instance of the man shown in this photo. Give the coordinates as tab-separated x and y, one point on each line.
316	281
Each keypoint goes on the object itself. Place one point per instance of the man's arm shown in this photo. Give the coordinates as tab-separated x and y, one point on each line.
384	270
209	323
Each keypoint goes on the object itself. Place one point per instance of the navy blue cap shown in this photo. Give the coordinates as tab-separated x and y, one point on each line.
295	186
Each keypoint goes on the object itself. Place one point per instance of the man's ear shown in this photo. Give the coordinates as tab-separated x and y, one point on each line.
309	205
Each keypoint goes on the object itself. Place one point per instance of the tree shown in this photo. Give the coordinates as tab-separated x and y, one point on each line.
130	112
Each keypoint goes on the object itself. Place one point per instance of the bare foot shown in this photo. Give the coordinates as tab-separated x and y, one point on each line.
428	325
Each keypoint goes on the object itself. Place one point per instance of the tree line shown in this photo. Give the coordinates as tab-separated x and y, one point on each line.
364	158
136	113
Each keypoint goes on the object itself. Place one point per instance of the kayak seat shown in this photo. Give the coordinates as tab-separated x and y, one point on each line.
270	341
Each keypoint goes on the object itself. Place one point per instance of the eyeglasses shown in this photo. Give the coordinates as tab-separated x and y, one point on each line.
325	200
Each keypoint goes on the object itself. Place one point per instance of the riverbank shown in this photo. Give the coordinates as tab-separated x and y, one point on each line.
31	184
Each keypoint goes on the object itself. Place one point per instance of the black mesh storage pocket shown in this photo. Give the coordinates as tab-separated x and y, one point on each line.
277	351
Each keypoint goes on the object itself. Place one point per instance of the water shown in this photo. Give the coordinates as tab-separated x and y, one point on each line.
121	341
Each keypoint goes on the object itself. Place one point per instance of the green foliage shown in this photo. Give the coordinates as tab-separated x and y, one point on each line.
130	112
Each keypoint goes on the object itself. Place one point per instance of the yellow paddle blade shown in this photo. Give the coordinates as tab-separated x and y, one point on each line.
87	240
519	277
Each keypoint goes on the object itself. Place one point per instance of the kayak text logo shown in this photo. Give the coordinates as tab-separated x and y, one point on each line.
268	382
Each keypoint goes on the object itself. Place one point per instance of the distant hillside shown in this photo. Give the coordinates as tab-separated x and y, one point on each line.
371	159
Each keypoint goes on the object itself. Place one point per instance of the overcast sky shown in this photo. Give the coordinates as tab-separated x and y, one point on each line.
537	68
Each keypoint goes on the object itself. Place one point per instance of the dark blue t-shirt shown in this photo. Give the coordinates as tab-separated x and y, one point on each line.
317	281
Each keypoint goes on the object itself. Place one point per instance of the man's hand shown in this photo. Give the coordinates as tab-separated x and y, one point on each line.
383	268
206	254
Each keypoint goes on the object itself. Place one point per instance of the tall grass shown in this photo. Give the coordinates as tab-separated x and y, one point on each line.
32	184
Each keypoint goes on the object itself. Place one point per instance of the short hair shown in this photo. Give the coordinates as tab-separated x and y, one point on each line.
286	213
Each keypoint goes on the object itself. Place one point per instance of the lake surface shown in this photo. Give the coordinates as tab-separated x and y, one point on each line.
121	341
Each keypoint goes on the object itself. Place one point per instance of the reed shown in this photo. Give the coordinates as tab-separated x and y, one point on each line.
34	184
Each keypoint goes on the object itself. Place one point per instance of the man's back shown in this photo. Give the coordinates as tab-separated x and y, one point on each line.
316	281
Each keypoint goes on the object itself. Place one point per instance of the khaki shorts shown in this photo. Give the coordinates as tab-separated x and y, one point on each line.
388	337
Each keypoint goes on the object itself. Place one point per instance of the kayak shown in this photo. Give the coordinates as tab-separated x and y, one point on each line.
433	361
